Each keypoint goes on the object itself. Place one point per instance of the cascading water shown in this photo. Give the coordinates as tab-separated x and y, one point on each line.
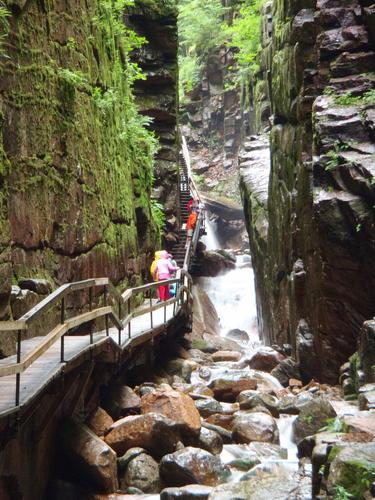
233	295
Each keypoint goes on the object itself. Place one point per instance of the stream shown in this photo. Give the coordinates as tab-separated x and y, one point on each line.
233	295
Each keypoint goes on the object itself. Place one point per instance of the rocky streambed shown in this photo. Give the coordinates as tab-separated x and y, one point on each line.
224	417
215	425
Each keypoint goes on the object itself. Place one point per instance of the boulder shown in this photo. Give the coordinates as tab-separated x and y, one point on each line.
39	286
291	404
218	419
229	386
205	318
352	467
251	399
286	370
245	456
265	359
122	462
120	401
192	465
226	356
363	421
225	435
248	427
238	335
207	440
99	422
181	367
278	484
154	432
88	456
142	472
207	407
175	405
189	492
313	416
22	302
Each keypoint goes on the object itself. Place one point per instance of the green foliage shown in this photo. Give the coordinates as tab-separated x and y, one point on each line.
341	493
73	78
200	30
4	27
349	99
308	419
334	157
158	214
244	33
334	425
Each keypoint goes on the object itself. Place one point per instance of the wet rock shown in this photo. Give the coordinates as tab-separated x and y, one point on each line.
120	401
278	484
225	435
122	462
181	367
207	407
39	286
366	400
352	468
189	492
212	264
266	359
142	472
221	420
99	422
229	386
207	440
23	302
246	456
313	416
238	335
291	404
154	432
363	421
175	405
226	356
89	456
248	427
286	370
205	317
250	399
192	465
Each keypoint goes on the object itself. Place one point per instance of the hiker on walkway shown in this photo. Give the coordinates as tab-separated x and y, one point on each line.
153	269
173	287
191	205
190	225
163	270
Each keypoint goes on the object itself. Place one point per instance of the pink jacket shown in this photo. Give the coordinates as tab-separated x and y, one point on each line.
164	268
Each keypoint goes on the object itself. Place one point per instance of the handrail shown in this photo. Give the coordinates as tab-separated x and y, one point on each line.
183	296
66	325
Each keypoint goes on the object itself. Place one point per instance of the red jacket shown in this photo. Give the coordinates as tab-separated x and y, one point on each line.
192	220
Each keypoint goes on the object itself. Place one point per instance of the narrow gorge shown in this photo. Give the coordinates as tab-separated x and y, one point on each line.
238	137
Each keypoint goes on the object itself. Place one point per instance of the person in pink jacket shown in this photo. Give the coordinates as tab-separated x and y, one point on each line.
164	269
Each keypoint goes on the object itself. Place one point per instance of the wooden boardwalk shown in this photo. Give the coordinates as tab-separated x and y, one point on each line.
49	366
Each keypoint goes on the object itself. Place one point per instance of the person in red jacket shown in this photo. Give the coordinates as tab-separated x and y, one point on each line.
190	226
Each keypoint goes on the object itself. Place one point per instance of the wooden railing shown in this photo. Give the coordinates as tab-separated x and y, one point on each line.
120	313
120	316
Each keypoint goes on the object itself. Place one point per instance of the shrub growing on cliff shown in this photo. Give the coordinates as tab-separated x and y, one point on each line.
4	27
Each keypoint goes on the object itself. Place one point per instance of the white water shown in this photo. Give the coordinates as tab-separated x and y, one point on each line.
233	295
210	239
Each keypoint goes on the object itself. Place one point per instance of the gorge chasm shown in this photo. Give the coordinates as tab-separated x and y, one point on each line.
265	109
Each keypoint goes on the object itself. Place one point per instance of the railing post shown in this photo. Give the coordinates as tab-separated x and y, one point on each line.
18	375
165	313
119	317
151	318
105	304
62	320
129	324
90	308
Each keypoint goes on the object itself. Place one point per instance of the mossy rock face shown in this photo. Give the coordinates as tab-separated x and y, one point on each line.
353	468
76	160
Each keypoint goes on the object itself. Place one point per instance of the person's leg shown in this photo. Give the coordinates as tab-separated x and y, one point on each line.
166	294
161	292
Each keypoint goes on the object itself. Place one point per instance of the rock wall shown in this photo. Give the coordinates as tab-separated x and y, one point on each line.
315	267
76	163
157	97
